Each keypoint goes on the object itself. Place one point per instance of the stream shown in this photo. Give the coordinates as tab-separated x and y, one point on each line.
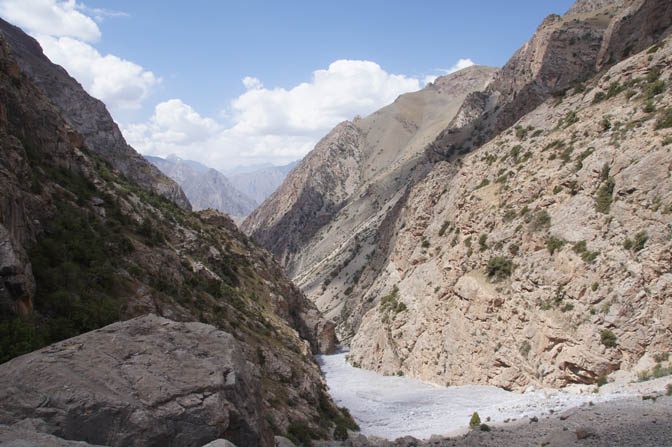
391	406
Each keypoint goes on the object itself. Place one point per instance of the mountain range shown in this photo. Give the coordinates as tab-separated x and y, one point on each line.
504	226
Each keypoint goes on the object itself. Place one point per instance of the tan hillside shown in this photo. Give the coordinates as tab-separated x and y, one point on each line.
545	256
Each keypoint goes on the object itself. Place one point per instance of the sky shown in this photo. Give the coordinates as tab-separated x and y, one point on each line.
242	82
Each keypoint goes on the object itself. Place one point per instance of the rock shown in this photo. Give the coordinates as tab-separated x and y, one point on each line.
87	116
139	383
12	436
281	441
219	443
17	284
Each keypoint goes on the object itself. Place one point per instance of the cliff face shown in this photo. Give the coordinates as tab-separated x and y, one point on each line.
486	258
83	246
87	116
332	211
207	188
544	256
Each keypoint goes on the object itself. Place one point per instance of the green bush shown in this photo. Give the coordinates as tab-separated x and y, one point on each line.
513	249
499	267
475	421
602	380
640	240
483	242
541	221
553	243
444	227
599	97
608	338
665	119
604	196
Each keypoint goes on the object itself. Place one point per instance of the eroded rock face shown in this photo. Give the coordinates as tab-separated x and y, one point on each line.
17	285
88	116
520	265
143	382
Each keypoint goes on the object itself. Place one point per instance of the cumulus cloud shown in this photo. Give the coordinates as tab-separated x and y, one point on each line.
279	124
50	17
65	33
459	65
117	82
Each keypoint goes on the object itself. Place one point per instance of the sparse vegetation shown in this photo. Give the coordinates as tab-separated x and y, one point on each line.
604	196
541	221
608	338
444	227
499	267
665	119
553	243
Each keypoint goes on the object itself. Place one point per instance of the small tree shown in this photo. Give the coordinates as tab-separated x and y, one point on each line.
475	421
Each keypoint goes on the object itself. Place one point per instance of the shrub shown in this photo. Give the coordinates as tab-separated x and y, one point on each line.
599	96
513	249
485	427
475	421
483	242
669	389
499	267
444	227
640	240
665	120
604	196
553	243
614	89
627	244
589	256
541	220
608	338
602	380
484	182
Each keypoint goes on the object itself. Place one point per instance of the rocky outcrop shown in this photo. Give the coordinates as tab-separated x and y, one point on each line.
207	188
329	218
85	246
87	116
544	256
148	381
21	436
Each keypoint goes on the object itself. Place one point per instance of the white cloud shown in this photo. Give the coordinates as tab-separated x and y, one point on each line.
117	82
65	34
277	124
251	83
459	65
50	17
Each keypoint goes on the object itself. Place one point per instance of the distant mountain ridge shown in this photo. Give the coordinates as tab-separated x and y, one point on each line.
260	183
237	193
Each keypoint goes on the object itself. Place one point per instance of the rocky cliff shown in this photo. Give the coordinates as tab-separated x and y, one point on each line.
531	242
207	188
83	246
87	116
324	222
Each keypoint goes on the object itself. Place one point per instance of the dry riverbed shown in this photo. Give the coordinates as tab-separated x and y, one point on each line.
398	411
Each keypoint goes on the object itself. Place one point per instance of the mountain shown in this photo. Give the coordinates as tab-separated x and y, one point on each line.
87	254
205	187
87	116
260	183
525	238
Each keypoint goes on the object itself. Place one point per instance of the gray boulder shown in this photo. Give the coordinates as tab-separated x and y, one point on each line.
143	382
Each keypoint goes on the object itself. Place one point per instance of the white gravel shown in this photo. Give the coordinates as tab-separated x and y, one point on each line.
391	407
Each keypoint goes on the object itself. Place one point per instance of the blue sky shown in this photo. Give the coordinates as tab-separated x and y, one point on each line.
172	72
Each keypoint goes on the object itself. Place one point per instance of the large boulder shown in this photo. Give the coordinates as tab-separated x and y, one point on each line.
143	382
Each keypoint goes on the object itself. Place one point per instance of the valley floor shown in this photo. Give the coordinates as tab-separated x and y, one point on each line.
398	407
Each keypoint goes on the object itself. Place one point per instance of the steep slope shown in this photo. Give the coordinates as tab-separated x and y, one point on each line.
82	246
88	116
353	278
325	216
207	188
545	256
261	183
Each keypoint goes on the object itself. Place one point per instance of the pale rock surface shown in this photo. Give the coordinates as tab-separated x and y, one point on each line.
143	382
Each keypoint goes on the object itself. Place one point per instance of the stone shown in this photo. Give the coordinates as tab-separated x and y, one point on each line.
139	382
